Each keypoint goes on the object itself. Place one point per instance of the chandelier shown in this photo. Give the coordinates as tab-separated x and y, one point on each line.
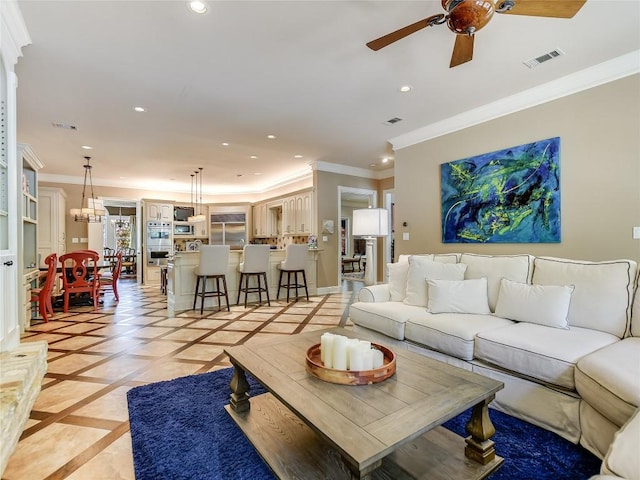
88	214
199	217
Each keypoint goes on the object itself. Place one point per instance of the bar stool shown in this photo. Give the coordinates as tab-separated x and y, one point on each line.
294	263
214	262
255	264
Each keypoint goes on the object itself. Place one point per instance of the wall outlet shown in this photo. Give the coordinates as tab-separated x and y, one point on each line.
74	240
84	240
405	235
325	238
636	233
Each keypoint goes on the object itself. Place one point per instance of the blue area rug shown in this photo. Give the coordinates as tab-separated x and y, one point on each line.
180	430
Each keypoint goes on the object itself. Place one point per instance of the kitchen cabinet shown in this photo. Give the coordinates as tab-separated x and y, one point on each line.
28	234
260	223
52	204
159	211
297	214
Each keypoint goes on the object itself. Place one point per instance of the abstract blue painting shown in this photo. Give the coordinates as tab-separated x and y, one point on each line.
508	196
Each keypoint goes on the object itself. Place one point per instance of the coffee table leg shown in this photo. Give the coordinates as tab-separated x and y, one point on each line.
479	446
239	398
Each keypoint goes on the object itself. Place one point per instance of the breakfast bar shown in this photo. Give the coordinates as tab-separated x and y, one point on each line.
181	279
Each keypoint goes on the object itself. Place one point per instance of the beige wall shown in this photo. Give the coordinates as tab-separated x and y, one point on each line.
327	208
599	132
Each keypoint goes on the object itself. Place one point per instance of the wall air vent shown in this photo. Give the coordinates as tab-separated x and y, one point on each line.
393	120
64	125
534	62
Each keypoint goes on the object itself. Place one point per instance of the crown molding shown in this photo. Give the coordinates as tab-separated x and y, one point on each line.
172	187
353	171
14	33
600	74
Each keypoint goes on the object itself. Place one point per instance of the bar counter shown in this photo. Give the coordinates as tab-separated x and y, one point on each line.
181	279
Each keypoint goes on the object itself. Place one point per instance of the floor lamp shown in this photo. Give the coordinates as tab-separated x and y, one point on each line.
370	223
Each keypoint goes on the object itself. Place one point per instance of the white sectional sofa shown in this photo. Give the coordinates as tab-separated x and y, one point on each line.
559	333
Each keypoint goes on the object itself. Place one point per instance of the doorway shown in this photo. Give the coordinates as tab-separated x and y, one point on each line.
121	231
350	199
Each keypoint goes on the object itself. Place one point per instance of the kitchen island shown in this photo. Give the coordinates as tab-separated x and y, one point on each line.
181	279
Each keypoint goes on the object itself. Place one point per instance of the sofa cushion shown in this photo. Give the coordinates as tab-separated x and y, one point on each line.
384	317
514	267
544	353
458	296
422	267
450	333
622	459
416	286
603	291
609	379
398	280
542	304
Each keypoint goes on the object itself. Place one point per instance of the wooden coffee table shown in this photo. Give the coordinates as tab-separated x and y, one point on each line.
307	428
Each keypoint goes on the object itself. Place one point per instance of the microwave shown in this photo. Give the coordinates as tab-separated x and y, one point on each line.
182	214
186	229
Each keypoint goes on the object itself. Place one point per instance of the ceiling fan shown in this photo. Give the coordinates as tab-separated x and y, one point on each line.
466	17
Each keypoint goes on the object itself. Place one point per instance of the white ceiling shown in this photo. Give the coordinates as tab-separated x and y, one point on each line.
299	70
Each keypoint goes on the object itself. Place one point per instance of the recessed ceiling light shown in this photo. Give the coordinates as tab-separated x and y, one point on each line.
257	173
197	6
271	137
140	109
373	165
405	88
225	144
87	147
239	175
297	156
253	157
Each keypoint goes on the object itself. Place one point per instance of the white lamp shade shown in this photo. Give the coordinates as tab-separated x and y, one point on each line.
371	222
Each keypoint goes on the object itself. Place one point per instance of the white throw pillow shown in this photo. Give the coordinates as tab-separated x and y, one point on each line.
542	304
458	296
398	280
423	268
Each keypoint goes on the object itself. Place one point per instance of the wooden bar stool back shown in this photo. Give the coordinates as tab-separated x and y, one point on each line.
255	264
214	262
293	264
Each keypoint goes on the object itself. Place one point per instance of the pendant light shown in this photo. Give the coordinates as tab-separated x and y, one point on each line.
88	214
197	216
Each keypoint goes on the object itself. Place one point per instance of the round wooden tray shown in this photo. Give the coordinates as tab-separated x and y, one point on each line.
351	377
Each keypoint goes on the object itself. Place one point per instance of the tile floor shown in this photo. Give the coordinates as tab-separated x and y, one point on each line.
79	428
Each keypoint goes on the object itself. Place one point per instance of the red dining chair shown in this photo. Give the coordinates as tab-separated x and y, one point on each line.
42	295
109	281
80	275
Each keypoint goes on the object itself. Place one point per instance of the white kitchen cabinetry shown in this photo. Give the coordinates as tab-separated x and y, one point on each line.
297	214
159	211
260	223
52	204
28	235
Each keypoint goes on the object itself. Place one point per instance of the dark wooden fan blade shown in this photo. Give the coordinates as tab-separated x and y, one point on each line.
462	50
388	39
545	8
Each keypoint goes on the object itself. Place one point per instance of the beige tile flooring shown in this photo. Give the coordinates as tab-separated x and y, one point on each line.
79	428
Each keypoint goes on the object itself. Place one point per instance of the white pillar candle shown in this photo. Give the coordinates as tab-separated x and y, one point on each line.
356	359
367	358
326	342
378	357
352	344
365	343
340	352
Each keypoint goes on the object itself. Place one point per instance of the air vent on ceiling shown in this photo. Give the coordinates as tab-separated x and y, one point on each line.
393	120
64	125
534	62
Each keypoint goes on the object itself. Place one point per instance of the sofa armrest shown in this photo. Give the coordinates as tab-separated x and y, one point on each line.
375	293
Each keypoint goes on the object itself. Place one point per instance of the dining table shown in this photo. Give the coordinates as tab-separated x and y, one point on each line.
80	299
